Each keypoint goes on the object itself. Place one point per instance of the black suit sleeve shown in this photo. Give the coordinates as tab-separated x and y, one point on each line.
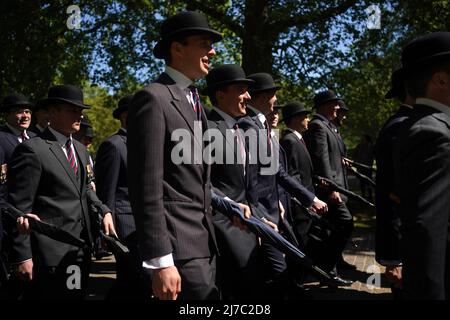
107	168
146	143
292	158
294	188
24	174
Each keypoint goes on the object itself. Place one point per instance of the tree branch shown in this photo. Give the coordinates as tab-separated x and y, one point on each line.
218	15
302	21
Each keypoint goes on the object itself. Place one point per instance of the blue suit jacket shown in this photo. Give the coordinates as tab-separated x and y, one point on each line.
111	181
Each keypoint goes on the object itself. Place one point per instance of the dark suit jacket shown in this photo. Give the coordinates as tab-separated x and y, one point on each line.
423	162
299	161
236	244
268	184
41	181
9	141
326	150
387	240
2	193
171	202
111	181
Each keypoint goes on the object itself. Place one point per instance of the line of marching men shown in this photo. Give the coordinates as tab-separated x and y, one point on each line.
174	217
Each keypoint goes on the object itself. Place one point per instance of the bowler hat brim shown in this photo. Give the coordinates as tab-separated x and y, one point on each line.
6	108
218	85
328	100
48	101
295	114
160	49
265	88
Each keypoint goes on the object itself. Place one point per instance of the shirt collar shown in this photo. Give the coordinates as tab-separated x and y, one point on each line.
180	79
62	139
298	134
435	105
230	121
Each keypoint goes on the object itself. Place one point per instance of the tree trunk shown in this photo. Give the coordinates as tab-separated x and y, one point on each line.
258	40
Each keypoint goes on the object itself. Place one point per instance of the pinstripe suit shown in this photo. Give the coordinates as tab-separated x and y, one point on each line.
171	202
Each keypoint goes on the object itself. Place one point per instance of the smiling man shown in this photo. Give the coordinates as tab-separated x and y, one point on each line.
47	177
171	202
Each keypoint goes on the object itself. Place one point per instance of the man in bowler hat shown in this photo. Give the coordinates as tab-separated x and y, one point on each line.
172	202
327	150
112	189
47	179
263	100
422	164
388	236
295	116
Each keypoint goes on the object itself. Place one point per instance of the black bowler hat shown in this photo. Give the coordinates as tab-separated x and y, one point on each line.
224	75
14	100
123	106
66	94
426	49
263	82
183	24
325	96
398	84
292	109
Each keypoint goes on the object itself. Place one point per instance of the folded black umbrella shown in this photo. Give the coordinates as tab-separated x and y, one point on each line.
114	244
45	228
259	228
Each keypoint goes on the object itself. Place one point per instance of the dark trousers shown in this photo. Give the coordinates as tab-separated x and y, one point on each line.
60	283
198	279
329	251
132	283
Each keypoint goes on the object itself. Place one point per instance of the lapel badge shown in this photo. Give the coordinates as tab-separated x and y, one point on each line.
3	171
90	173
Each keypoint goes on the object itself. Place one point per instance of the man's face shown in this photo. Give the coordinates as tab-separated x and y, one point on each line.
330	109
341	116
233	99
19	118
65	118
193	56
265	101
272	119
303	121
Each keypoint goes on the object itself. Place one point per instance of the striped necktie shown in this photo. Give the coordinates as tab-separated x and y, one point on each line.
71	156
197	104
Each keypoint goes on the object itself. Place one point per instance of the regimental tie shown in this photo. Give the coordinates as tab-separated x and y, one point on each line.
197	105
23	136
71	156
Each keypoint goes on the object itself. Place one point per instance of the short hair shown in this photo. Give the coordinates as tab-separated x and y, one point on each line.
212	94
166	51
417	80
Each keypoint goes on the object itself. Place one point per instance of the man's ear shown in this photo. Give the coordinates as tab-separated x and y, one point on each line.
440	78
220	95
176	49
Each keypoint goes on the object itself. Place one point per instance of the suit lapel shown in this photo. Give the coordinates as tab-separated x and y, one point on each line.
82	162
